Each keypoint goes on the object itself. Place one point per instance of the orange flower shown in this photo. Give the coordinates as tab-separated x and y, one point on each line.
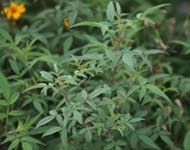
66	23
14	11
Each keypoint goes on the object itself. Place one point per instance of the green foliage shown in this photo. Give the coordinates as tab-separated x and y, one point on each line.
109	81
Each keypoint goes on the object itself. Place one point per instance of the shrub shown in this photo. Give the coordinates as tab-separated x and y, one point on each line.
89	85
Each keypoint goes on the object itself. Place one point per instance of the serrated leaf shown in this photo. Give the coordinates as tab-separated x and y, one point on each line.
99	91
47	76
92	105
84	94
4	86
136	120
31	140
148	141
142	92
14	144
114	56
14	66
52	131
167	140
129	60
14	98
157	91
132	90
88	135
110	12
45	121
77	116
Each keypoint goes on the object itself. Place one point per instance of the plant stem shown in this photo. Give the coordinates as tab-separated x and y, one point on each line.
7	118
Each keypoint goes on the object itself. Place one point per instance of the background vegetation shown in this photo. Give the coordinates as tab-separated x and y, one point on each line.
94	74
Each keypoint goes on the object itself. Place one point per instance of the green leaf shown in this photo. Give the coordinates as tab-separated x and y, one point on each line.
133	140
110	12
52	131
157	91
14	66
142	92
4	86
47	76
38	106
102	26
3	115
77	116
92	104
26	146
186	142
14	98
3	103
118	8
16	113
14	144
63	136
148	141
154	9
9	138
167	140
45	121
53	112
88	135
130	126
153	52
136	120
109	146
132	90
114	56
68	43
117	147
99	91
31	140
38	86
129	60
6	35
84	94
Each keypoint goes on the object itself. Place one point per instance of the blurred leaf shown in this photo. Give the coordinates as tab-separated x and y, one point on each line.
26	146
148	141
4	86
52	131
157	91
47	76
6	35
16	113
186	142
110	12
99	91
14	98
78	116
45	121
14	144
